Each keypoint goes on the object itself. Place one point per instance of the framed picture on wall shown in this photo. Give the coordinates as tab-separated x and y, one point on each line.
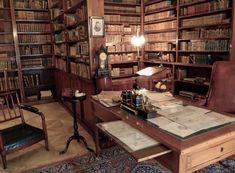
96	26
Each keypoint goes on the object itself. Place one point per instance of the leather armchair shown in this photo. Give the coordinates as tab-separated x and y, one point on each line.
221	95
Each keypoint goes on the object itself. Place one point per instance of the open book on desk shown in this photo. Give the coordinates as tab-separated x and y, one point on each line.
108	98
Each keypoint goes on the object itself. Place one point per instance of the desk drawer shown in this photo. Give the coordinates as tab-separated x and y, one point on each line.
141	146
211	153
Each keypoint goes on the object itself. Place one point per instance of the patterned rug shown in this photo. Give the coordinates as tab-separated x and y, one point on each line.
116	160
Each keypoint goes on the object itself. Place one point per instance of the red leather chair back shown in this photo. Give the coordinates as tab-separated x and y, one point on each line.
222	87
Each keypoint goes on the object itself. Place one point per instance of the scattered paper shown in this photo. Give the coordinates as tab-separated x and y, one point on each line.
130	136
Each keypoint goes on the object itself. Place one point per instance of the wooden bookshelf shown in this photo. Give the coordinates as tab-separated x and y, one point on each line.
188	35
122	19
71	38
10	76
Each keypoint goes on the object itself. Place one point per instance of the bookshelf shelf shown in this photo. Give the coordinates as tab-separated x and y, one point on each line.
123	62
160	31
205	26
193	65
193	83
205	13
197	33
122	23
122	13
34	33
204	51
123	76
36	55
160	20
33	21
172	51
192	3
25	44
31	9
121	4
160	10
152	2
74	8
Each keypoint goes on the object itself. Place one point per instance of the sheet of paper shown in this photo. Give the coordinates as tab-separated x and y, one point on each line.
178	129
222	119
130	136
159	121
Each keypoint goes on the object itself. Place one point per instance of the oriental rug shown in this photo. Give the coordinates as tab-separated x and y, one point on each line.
116	160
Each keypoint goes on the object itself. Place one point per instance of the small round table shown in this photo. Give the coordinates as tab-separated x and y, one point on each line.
74	100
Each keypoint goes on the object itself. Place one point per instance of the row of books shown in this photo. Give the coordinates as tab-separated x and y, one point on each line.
60	49
164	36
70	19
80	69
121	28
5	15
160	15
6	63
81	13
160	26
79	49
158	5
119	18
197	59
6	38
12	83
5	27
117	39
45	38
201	45
36	62
55	12
33	4
71	3
119	58
31	15
58	26
159	56
31	80
203	33
33	27
214	3
159	46
117	72
204	7
121	48
122	9
60	37
80	33
61	64
7	51
205	20
35	49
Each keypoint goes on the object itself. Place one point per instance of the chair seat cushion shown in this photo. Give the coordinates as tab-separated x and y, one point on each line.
20	135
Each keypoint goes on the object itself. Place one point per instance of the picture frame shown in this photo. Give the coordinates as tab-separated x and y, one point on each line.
96	26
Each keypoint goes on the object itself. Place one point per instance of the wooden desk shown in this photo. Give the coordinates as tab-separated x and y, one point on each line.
188	155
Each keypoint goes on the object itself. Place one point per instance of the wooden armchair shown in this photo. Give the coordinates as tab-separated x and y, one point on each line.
19	135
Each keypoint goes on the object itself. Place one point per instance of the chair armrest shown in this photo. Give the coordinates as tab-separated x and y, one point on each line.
31	109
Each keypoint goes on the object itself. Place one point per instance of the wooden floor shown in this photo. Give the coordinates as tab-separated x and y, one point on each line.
60	128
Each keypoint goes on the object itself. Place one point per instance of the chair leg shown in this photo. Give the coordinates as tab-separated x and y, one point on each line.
4	160
46	144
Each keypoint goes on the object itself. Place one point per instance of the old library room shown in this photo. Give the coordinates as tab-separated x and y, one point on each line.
117	86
